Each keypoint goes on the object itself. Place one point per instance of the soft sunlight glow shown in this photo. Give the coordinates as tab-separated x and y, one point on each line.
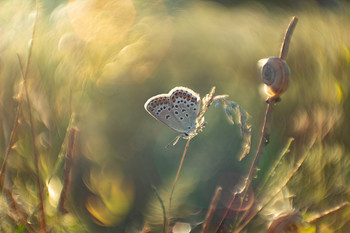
54	187
102	21
181	227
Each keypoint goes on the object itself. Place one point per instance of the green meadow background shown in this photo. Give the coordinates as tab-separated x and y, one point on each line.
95	63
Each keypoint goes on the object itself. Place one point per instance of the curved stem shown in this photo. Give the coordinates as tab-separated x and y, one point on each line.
287	38
162	205
265	130
253	168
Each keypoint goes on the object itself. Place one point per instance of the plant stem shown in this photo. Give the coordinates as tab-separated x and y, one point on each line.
67	170
211	210
287	38
176	178
11	139
253	168
163	207
328	212
42	222
263	141
265	130
285	182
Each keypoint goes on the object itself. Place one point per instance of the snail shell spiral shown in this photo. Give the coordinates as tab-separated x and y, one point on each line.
275	74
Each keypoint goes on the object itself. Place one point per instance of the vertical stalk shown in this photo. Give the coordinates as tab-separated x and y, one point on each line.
266	126
42	222
211	210
67	170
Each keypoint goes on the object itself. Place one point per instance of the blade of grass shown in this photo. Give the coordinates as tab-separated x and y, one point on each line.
163	207
273	169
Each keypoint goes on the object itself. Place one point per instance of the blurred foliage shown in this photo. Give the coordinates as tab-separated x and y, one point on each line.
94	65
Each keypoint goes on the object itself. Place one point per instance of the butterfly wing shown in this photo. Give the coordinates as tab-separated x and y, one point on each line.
160	108
186	105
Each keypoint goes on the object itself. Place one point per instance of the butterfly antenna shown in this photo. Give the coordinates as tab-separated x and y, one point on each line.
174	141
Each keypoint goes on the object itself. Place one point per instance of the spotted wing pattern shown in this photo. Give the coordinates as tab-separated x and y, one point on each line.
178	109
186	105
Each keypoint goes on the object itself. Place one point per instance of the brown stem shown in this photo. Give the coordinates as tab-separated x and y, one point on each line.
285	182
176	178
263	141
12	135
36	163
287	38
270	104
265	131
42	222
67	170
253	168
328	212
211	210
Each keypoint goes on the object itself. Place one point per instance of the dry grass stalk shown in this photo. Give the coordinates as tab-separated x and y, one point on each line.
67	170
211	210
42	221
266	126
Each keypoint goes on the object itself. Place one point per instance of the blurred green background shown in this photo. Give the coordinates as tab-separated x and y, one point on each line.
95	63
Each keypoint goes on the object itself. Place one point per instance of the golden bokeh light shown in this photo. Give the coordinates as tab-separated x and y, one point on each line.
54	187
102	21
112	199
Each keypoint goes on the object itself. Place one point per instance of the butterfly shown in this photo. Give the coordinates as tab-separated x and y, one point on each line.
179	110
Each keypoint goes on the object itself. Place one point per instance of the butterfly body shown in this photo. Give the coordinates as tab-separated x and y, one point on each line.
178	109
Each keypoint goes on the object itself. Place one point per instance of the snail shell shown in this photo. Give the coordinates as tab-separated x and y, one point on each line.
275	74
